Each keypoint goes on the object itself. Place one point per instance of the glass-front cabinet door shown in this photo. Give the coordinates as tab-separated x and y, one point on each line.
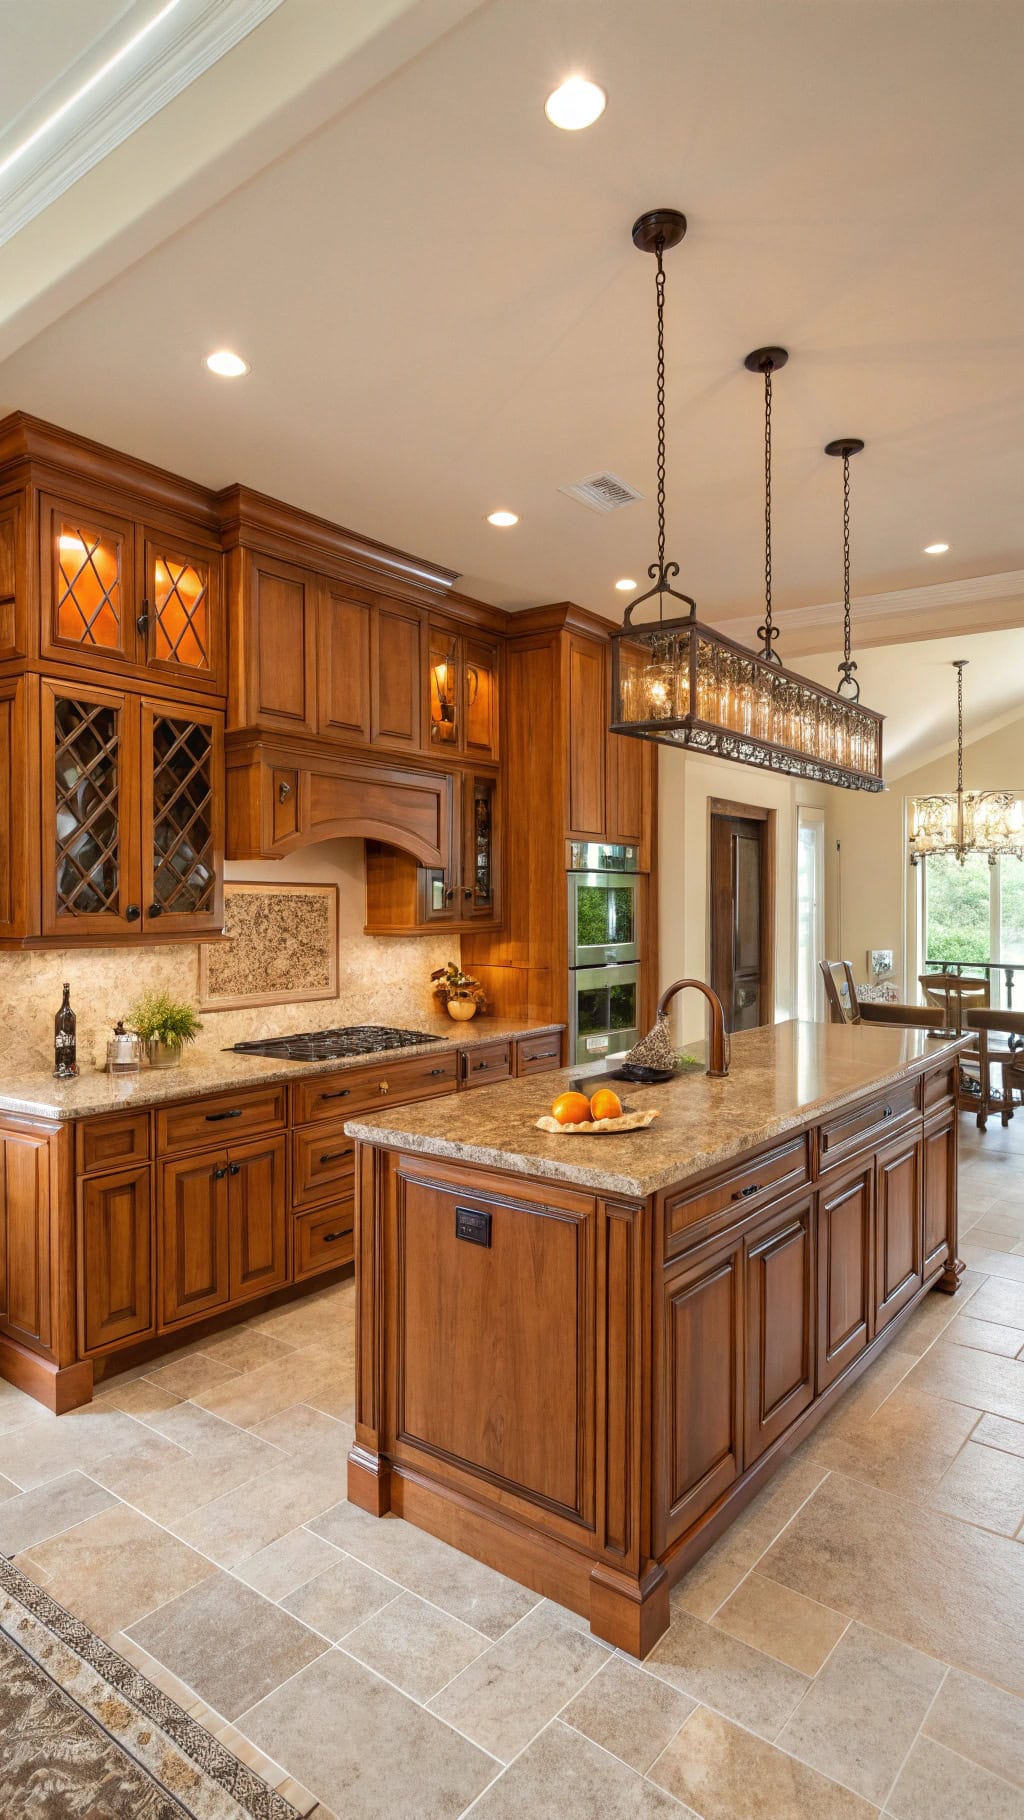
86	563
182	846
179	617
445	680
480	849
89	766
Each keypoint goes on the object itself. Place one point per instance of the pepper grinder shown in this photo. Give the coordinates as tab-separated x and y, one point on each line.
65	1040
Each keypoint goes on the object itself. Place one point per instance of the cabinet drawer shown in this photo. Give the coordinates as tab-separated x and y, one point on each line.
860	1126
322	1164
324	1239
387	1083
109	1143
539	1054
484	1064
744	1189
939	1088
220	1120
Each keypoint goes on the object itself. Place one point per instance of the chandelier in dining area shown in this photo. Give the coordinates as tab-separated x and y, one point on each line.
987	822
679	682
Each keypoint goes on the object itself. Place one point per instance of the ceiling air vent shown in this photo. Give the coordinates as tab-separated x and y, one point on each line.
602	492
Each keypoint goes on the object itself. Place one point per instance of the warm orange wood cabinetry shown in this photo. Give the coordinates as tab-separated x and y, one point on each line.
119	1229
672	1349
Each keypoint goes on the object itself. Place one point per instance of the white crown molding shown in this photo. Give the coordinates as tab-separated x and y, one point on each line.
1007	586
192	37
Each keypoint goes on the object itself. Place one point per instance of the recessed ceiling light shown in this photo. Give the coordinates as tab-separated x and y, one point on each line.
935	549
227	364
575	104
503	518
626	585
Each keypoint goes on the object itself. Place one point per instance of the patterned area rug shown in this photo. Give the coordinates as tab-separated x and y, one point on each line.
85	1736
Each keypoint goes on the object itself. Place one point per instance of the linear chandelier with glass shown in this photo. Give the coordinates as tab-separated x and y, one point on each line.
680	682
988	822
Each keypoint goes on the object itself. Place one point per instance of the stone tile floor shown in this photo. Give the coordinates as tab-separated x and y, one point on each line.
853	1646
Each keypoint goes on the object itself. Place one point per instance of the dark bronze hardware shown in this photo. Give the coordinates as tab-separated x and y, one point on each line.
887	1112
742	1193
341	1094
335	1156
449	894
142	623
436	1071
213	1117
283	792
234	1168
218	1173
542	1055
329	1237
154	910
132	913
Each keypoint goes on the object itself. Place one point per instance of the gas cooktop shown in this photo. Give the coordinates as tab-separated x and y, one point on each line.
324	1045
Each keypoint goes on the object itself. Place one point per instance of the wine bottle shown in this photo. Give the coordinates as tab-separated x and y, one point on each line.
65	1042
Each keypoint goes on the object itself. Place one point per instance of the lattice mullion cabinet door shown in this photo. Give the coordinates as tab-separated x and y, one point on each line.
182	779
89	822
180	621
88	590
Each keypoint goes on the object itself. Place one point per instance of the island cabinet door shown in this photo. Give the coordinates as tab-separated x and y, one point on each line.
489	1326
699	1373
193	1237
938	1176
256	1218
845	1272
898	1266
115	1258
779	1303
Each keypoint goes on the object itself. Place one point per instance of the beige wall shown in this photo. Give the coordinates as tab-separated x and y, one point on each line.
381	979
686	784
870	888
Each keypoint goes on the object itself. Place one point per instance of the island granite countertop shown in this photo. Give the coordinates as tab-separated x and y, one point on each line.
781	1075
204	1071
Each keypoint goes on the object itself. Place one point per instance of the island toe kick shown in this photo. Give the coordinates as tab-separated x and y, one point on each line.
581	1388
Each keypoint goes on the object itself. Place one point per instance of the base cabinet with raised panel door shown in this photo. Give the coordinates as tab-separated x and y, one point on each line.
115	1257
729	1310
223	1228
26	1168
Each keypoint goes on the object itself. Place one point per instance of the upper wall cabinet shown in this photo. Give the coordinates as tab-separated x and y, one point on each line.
121	596
462	693
273	645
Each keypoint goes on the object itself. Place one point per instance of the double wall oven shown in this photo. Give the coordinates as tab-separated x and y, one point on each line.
604	950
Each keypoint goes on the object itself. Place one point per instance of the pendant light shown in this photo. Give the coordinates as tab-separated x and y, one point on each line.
679	682
989	822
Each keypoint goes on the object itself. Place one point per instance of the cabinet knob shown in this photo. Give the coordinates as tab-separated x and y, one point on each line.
218	1173
467	891
383	1087
154	910
449	894
283	792
132	913
234	1168
142	623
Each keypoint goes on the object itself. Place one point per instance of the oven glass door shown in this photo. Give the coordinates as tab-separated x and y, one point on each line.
603	917
605	1009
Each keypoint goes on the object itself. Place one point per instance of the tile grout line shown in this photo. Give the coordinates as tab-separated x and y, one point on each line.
768	1546
890	1791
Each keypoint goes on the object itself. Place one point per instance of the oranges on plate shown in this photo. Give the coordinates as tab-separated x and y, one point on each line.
576	1109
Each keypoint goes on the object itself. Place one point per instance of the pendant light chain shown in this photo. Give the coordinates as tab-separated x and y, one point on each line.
959	729
768	632
659	285
847	667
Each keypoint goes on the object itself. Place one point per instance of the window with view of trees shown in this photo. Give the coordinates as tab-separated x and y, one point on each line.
974	914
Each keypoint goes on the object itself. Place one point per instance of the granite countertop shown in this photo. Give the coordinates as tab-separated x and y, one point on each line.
780	1077
204	1071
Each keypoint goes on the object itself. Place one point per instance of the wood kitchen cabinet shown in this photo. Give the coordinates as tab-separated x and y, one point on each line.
845	1271
114	1232
405	898
938	1171
223	1234
131	815
25	1248
124	597
462	693
702	1384
779	1295
898	1227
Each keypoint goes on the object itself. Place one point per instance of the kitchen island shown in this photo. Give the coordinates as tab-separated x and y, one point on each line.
579	1356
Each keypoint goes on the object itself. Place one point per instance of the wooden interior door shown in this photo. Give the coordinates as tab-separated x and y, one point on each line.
742	917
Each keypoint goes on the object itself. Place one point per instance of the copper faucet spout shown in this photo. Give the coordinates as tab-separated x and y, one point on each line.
718	1041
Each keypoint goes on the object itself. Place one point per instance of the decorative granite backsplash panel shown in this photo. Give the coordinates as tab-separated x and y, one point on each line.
381	980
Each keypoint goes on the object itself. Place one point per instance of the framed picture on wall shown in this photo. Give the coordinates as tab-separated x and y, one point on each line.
280	946
880	962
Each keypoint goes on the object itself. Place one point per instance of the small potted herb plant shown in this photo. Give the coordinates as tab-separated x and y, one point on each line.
460	992
165	1026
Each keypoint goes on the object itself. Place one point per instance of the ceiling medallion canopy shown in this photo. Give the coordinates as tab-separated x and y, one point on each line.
989	822
679	682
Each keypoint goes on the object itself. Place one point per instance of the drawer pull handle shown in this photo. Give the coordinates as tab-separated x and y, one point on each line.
541	1055
335	1156
433	1071
213	1117
742	1193
329	1237
341	1094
